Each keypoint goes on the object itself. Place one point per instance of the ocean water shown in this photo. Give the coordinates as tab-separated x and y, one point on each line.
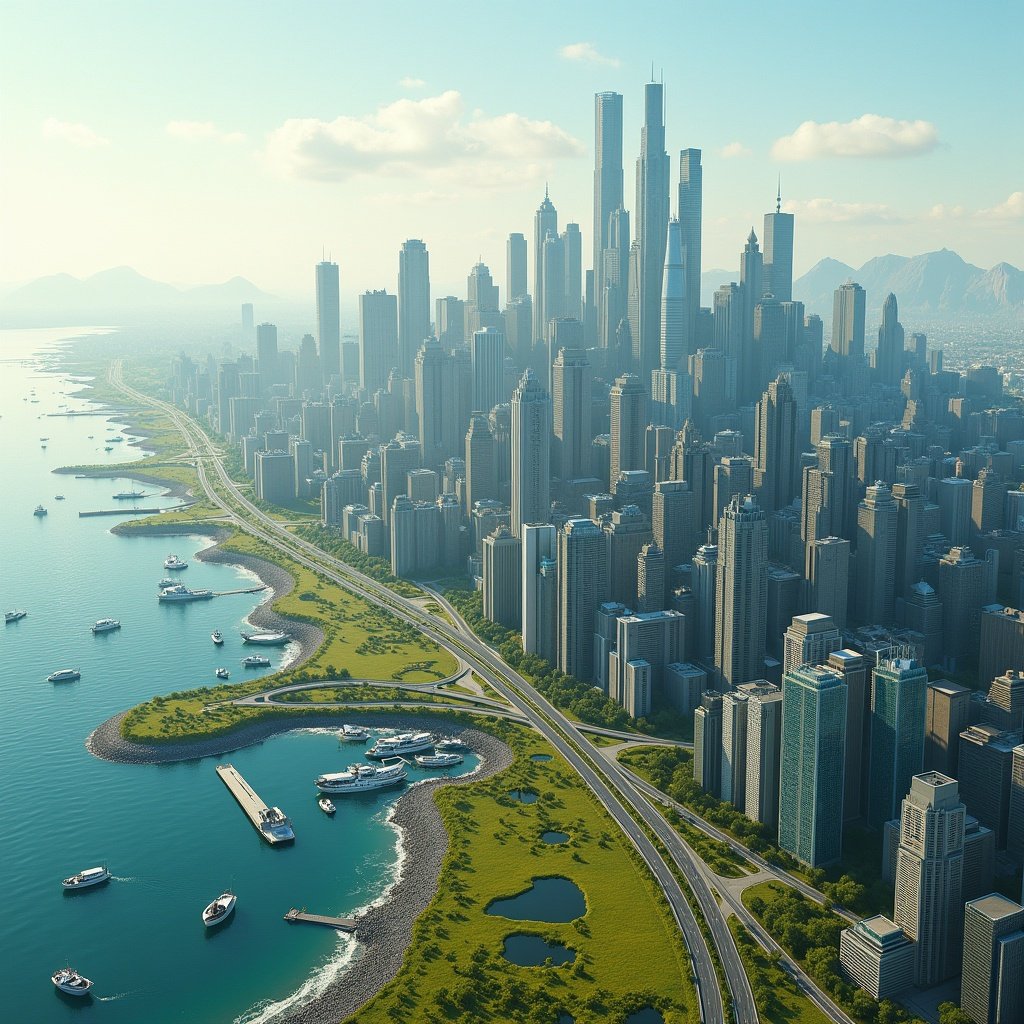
172	835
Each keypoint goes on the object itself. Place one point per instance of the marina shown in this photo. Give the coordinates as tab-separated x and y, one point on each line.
270	822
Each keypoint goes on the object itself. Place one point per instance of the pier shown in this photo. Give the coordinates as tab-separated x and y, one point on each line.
247	590
341	924
255	809
124	511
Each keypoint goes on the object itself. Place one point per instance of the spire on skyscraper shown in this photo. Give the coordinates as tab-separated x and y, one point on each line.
778	197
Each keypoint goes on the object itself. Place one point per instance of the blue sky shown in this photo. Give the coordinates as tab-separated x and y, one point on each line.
196	141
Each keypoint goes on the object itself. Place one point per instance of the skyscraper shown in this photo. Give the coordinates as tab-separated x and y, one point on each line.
848	320
583	579
876	555
481	306
378	339
828	573
267	357
613	306
764	751
531	453
775	447
809	640
515	267
674	522
571	404
328	319
991	991
628	398
741	592
607	170
673	303
889	355
691	199
778	252
813	753
502	566
545	223
734	748
539	544
413	302
488	354
650	578
707	743
437	405
481	467
572	283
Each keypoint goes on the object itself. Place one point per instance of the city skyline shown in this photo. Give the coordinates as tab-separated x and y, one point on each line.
438	154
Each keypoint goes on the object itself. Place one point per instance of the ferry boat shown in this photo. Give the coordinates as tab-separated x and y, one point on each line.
274	639
276	823
174	562
326	805
71	983
256	661
40	511
438	760
86	878
353	734
182	593
403	743
220	909
14	616
222	673
217	637
362	778
106	625
129	495
64	675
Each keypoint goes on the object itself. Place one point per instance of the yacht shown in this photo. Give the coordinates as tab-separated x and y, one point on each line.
448	744
326	805
14	616
40	510
353	734
222	673
276	823
90	876
274	639
166	582
438	760
71	983
220	909
174	562
106	625
64	675
181	593
403	743
217	637
362	778
256	661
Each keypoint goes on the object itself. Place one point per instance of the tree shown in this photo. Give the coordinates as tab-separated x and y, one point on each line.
864	1006
950	1013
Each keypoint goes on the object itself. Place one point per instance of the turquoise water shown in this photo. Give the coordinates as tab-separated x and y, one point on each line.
172	835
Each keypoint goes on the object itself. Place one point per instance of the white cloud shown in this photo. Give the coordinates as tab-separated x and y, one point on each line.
831	211
734	151
200	131
587	53
1011	209
411	83
943	211
74	133
432	136
869	135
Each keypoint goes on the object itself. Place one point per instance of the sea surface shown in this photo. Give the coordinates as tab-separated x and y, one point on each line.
172	835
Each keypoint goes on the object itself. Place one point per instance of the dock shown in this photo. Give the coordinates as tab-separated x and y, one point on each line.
247	590
341	924
133	511
250	802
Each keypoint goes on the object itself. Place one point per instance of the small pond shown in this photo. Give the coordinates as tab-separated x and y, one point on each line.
540	757
553	900
524	796
555	838
648	1015
533	951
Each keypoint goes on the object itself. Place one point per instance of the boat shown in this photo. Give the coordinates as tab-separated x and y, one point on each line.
326	805
174	562
403	743
256	661
353	734
217	637
14	616
90	876
129	495
220	909
273	639
64	675
276	823
58	497
71	983
448	744
222	673
115	440
44	439
166	582
181	593
40	511
107	448
438	760
106	625
362	778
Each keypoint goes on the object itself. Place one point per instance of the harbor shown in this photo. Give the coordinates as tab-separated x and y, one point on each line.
271	824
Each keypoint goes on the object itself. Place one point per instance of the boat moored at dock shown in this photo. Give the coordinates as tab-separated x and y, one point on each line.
271	822
353	734
438	760
270	639
362	778
166	582
400	745
179	592
64	675
70	982
85	879
220	909
448	745
106	625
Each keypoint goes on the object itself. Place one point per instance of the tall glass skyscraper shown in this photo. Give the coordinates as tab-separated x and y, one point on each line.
691	200
607	170
328	319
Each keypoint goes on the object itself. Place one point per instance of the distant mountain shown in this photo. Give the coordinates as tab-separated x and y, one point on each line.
932	283
122	288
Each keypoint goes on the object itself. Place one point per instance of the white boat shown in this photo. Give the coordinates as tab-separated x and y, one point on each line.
106	625
448	744
273	639
129	495
275	822
39	511
353	734
256	661
222	673
174	562
220	909
64	675
403	743
90	876
14	616
326	805
182	593
438	760
58	497
217	637
166	582
71	983
362	778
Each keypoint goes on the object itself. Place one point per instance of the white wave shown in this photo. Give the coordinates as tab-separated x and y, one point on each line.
112	999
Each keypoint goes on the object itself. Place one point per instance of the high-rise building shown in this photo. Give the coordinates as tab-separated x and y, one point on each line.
827	572
963	586
741	592
734	748
1015	816
267	356
889	355
650	578
814	702
954	497
397	458
751	292
583	579
626	531
848	320
539	544
628	421
986	776
515	267
673	351
378	339
481	306
656	638
776	466
488	354
572	284
531	453
705	589
876	555
764	751
897	724
929	875
571	404
674	523
853	668
1002	643
450	322
607	170
481	466
947	714
1005	706
437	407
707	743
877	956
413	302
809	640
545	224
328	319
778	253
691	198
502	567
993	963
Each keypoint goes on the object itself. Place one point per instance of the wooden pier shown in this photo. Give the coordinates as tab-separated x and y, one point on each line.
250	802
341	924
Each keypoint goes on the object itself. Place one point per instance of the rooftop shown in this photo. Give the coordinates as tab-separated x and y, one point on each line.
995	907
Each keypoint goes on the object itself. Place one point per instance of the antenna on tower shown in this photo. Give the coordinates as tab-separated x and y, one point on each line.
545	191
778	197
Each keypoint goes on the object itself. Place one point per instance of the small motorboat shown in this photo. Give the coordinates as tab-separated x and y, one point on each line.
106	625
256	661
174	562
167	582
326	805
217	637
448	744
220	909
353	734
14	616
64	675
222	673
40	511
438	760
86	878
71	983
58	497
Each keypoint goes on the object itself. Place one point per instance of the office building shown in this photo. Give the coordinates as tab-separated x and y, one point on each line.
607	170
488	355
775	447
502	565
481	307
809	640
545	225
328	319
650	578
764	751
626	531
628	400
853	668
963	587
947	714
827	572
275	477
993	963
413	302
656	638
986	776
734	748
707	743
684	683
267	357
539	544
515	267
481	463
397	458
848	320
1002	643
531	453
1015	815
450	322
378	339
889	356
876	555
690	207
674	523
955	498
705	589
571	405
778	253
672	350
583	580
876	955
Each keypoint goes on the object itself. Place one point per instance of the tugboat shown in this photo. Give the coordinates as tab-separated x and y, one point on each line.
71	983
220	909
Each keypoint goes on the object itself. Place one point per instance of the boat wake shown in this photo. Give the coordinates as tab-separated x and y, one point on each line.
112	999
124	878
